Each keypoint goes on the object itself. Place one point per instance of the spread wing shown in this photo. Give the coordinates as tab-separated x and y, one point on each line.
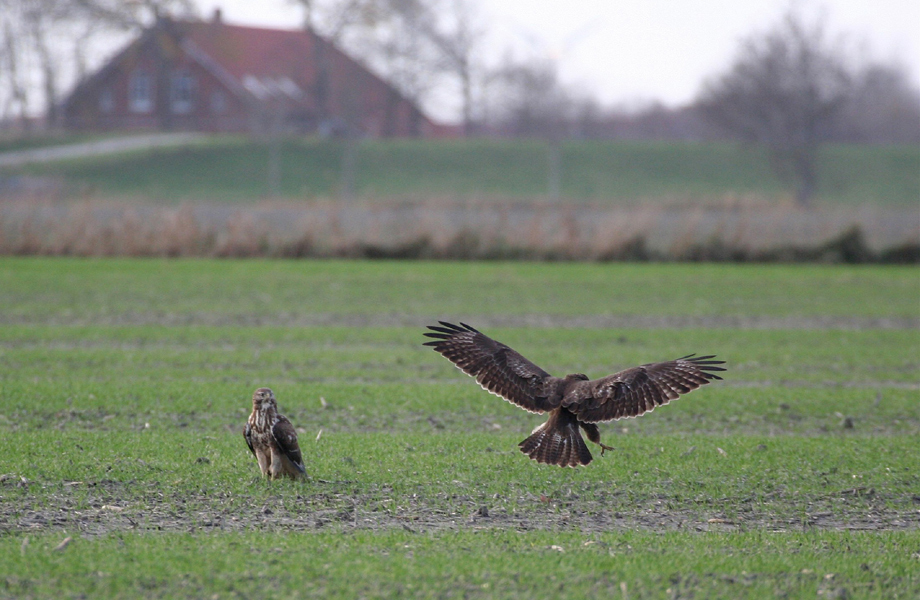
286	437
496	367
639	390
247	433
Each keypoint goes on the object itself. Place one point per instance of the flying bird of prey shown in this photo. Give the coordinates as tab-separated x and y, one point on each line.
572	401
272	439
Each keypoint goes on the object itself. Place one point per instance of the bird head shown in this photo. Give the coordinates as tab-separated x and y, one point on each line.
263	398
577	377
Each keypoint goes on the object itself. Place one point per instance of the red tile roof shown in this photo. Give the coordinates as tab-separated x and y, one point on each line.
253	50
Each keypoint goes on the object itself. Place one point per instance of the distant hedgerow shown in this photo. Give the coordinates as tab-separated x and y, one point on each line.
730	231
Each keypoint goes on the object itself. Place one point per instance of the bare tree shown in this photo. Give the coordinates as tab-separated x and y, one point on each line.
531	102
884	108
784	90
456	35
527	99
55	37
16	97
414	44
133	14
41	20
29	28
386	34
409	42
335	21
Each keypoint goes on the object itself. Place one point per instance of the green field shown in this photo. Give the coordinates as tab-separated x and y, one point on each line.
124	385
234	169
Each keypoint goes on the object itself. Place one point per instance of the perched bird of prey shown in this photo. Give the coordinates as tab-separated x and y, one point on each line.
572	401
272	439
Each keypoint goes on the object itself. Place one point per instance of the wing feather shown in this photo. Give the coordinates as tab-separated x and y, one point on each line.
496	367
639	390
286	437
247	433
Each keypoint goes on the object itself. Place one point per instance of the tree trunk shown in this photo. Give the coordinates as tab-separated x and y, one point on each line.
805	171
48	68
467	90
349	163
18	91
274	156
554	167
161	86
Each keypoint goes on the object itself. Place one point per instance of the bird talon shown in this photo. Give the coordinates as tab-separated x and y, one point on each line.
605	447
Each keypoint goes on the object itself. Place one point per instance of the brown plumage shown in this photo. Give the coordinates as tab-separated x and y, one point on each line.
272	439
573	402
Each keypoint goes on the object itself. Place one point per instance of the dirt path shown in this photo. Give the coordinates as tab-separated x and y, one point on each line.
106	146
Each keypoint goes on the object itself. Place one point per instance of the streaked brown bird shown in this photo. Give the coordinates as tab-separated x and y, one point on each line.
573	401
272	439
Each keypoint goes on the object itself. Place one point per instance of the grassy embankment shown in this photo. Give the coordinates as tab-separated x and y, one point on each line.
235	170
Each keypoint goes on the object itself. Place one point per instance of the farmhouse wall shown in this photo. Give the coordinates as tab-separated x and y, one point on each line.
214	77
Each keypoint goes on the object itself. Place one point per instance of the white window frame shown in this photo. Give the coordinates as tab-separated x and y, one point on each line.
182	93
140	92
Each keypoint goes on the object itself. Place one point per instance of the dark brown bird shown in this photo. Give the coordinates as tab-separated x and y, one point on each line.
272	439
572	401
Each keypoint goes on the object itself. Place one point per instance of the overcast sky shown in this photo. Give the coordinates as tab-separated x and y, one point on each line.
631	51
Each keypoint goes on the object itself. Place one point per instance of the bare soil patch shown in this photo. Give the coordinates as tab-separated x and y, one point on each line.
104	507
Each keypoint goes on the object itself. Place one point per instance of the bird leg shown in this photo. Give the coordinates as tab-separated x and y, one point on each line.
265	461
594	435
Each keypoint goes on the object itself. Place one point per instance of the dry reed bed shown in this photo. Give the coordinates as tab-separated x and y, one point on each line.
731	229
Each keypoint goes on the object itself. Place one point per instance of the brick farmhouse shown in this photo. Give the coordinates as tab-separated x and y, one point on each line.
214	77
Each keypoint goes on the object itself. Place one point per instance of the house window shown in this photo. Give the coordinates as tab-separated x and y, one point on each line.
140	92
218	102
106	101
181	94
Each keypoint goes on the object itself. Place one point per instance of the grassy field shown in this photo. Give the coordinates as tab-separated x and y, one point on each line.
124	386
234	169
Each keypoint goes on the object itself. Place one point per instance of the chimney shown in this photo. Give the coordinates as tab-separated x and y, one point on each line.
218	16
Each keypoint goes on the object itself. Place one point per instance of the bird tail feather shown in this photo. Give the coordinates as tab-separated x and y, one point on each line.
557	442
